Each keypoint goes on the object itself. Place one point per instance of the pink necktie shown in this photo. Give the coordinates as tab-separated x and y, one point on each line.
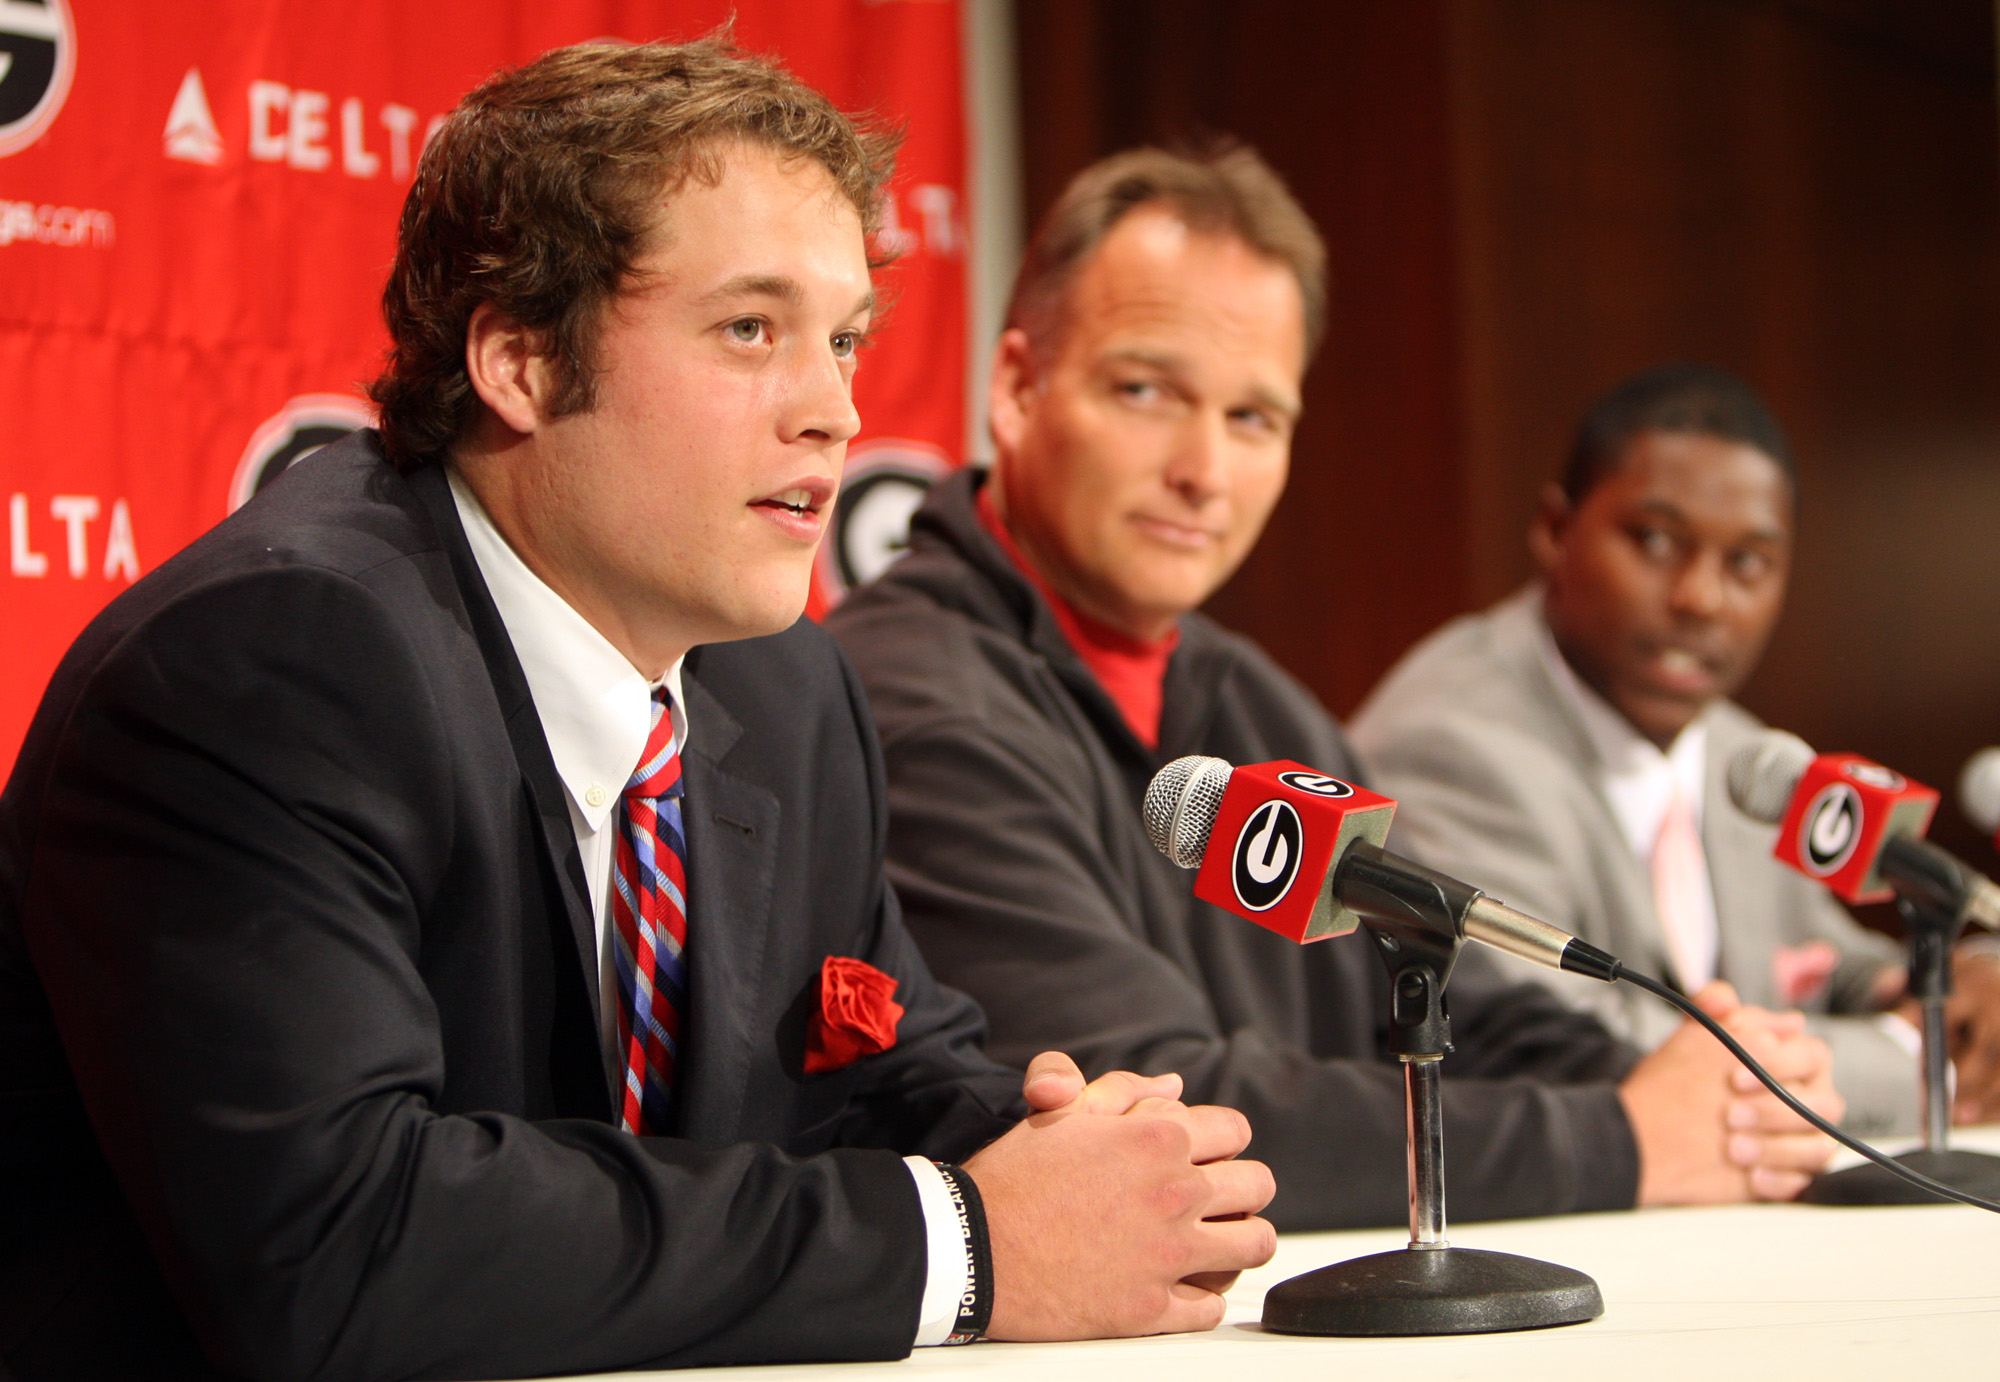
1680	873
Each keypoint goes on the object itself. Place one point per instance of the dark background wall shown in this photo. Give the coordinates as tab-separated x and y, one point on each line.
1526	200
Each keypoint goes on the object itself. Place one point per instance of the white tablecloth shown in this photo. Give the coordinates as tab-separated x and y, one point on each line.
1693	1295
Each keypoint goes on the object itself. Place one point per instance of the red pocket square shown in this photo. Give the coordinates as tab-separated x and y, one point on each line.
857	1015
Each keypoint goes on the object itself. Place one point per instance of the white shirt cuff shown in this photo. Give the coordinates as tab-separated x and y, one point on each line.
944	1246
1905	1034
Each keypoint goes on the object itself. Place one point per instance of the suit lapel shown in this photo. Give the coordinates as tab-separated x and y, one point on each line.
732	838
524	729
1636	934
1741	874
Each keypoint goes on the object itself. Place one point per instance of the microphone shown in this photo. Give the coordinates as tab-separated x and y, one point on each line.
1856	827
1300	853
1263	831
1979	792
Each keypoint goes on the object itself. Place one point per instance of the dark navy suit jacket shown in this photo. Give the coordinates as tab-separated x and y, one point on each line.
291	909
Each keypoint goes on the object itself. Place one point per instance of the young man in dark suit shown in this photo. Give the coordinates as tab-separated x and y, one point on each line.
371	1014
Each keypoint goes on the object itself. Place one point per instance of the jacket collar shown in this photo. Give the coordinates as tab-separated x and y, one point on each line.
733	830
1519	627
732	834
524	728
985	585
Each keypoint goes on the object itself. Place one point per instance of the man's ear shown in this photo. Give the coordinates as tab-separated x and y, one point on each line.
1011	391
1545	532
503	360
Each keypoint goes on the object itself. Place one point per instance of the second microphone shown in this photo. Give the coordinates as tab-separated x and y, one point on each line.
1301	853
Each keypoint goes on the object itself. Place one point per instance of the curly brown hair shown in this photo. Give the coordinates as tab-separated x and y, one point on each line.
538	194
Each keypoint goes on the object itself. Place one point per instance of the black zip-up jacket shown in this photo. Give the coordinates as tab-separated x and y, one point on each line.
1018	849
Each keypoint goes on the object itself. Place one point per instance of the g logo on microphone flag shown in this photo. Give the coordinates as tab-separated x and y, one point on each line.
1843	811
1831	830
1319	784
1266	861
1279	831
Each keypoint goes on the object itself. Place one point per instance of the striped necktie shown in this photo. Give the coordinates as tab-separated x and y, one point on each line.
649	915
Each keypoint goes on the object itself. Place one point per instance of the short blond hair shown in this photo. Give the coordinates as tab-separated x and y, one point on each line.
1226	190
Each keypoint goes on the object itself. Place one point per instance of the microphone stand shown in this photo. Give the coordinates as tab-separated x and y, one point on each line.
1430	1287
1932	929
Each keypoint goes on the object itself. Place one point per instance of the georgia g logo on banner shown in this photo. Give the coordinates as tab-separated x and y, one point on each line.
885	481
1268	850
37	60
291	434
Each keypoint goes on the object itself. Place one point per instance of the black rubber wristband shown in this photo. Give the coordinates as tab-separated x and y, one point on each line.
975	1306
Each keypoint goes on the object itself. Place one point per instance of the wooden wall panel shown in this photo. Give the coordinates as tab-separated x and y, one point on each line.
1808	194
1526	200
1348	101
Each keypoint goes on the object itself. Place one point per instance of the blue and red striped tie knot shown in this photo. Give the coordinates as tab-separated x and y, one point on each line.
649	922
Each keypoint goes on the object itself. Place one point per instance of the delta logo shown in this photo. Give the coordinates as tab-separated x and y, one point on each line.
306	130
37	61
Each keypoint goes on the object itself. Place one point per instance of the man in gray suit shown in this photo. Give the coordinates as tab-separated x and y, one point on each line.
1565	749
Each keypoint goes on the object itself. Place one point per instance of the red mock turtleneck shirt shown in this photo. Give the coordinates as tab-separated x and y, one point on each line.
1131	670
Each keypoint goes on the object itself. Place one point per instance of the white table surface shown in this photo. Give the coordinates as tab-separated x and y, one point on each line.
1695	1295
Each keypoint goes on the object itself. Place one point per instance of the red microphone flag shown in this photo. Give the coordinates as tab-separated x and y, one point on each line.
1843	811
1279	831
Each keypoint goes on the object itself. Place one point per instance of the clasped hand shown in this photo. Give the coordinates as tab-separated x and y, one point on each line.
1708	1131
1115	1209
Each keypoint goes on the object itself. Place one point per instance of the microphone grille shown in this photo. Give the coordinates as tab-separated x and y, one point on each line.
1181	803
1765	772
1979	789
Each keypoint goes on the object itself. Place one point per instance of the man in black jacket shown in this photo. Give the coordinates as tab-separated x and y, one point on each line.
1036	658
369	1014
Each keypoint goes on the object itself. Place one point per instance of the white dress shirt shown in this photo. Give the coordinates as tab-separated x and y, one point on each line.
596	713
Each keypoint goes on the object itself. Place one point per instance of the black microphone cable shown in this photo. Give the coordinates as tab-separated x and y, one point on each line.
1887	1163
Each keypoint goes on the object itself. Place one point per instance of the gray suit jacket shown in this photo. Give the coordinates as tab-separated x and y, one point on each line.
1498	783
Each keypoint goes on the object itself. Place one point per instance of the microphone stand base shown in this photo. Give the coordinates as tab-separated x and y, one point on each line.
1432	1291
1868	1183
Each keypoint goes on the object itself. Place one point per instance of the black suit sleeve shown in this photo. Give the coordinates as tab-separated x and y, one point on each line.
239	844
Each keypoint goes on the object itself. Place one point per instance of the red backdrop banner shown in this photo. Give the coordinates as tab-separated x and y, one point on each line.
197	209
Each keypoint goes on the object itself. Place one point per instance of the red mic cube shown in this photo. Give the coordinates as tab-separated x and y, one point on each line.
1279	831
1843	811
